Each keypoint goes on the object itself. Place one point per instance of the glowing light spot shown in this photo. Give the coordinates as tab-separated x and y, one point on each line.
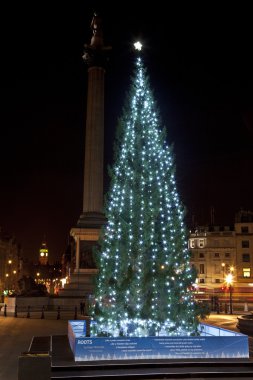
138	45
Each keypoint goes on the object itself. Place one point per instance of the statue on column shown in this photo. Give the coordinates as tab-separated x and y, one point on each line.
96	26
95	54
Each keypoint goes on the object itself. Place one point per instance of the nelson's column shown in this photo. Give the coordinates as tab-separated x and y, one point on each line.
87	231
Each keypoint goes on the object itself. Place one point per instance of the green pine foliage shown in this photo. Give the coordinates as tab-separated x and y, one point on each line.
145	277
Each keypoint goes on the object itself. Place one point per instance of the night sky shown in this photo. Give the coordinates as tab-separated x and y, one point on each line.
200	67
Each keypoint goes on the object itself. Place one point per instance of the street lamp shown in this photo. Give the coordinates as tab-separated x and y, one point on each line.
229	282
223	270
7	282
38	276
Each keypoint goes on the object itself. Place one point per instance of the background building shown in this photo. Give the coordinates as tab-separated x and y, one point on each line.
223	257
10	264
45	273
43	260
244	253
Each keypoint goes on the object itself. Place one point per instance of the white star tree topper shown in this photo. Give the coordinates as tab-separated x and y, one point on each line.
138	45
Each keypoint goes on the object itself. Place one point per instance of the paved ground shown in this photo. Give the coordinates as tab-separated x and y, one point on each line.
226	321
16	335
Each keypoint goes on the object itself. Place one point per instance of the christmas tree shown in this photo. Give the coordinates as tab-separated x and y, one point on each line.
144	274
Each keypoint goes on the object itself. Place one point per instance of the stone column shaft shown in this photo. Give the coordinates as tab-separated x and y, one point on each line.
94	143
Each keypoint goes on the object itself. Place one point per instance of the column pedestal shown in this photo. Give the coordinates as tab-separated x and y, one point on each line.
81	282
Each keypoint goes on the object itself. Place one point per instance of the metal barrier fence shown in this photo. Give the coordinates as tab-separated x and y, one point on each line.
41	312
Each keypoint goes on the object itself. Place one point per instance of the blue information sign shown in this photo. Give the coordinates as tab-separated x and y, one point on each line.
175	347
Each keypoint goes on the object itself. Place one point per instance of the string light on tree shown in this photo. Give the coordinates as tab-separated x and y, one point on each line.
145	277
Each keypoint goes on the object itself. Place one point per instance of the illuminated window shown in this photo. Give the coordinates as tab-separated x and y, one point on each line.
246	272
201	268
201	243
192	243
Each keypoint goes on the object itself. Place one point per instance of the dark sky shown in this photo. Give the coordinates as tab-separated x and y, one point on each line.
200	67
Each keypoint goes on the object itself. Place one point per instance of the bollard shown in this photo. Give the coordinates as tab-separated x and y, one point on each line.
42	313
75	316
16	311
87	326
5	310
58	313
28	312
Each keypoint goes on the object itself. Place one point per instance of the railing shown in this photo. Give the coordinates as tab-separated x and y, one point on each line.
209	330
43	312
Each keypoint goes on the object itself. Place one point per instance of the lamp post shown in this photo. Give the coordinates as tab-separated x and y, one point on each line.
229	282
14	280
223	279
8	276
7	282
223	270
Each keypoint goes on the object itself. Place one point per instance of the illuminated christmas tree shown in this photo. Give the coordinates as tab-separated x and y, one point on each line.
145	277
